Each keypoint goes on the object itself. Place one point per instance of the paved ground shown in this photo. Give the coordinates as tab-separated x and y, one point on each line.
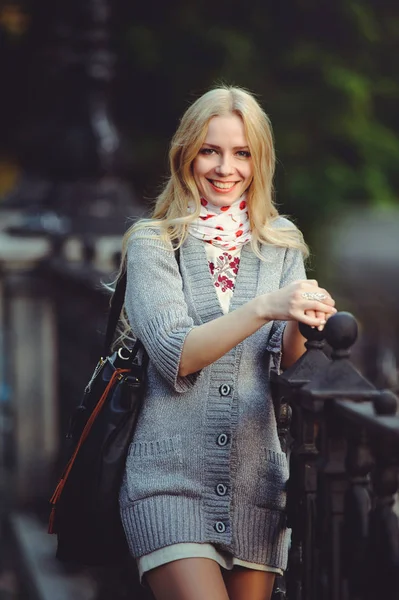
29	570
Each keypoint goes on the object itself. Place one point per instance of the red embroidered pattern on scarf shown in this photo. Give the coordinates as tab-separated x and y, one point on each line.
224	272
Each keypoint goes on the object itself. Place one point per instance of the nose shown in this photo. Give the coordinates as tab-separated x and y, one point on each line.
224	168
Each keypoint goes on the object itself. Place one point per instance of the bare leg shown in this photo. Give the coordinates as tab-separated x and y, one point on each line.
187	579
248	584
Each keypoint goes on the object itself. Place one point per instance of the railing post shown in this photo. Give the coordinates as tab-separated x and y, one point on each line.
383	563
339	379
302	485
357	506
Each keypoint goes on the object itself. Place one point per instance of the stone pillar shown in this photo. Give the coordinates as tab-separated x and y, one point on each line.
29	356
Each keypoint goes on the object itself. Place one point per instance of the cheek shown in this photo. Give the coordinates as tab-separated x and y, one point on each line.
198	168
247	172
198	176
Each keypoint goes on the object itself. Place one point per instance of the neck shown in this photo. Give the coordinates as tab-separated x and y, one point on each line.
224	208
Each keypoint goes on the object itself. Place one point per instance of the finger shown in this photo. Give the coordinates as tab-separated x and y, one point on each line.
319	315
316	303
312	315
326	293
318	318
322	317
316	290
305	318
325	306
306	287
303	294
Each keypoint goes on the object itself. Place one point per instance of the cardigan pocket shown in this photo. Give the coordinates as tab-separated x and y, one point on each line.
155	468
272	480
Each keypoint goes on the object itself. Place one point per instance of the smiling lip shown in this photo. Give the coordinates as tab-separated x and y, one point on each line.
222	190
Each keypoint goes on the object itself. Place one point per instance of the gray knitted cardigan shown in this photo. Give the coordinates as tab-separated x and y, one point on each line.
205	464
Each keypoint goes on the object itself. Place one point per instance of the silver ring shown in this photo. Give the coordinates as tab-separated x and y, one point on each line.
314	296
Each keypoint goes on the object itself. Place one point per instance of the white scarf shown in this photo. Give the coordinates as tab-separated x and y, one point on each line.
223	226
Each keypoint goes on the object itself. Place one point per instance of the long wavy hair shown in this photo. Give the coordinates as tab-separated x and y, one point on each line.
170	215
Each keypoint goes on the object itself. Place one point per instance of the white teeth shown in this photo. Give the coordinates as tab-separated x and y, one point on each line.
223	185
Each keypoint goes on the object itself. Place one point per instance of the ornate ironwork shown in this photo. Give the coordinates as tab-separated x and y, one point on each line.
343	443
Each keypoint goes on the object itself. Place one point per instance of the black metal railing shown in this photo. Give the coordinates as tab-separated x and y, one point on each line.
342	438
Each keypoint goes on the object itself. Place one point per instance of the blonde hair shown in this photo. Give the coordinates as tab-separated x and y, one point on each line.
170	213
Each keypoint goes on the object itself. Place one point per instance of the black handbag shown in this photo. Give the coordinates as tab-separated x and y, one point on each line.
85	505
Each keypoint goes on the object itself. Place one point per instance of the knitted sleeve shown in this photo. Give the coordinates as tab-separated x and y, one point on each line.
293	269
156	307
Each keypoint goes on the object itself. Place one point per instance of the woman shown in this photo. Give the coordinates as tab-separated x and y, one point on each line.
216	288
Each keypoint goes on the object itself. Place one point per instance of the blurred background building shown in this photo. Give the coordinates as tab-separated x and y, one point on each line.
90	93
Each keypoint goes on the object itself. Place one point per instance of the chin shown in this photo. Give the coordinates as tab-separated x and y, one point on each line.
222	199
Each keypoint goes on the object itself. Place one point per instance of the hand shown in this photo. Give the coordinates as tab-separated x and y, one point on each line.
323	317
289	304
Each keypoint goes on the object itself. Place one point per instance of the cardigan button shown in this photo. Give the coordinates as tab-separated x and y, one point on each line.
220	527
222	439
221	489
224	389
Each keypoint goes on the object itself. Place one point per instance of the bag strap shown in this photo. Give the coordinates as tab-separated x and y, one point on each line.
117	301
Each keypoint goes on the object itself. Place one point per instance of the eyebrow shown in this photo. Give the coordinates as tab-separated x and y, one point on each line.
218	147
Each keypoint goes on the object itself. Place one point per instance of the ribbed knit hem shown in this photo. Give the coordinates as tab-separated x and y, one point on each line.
163	339
260	535
161	521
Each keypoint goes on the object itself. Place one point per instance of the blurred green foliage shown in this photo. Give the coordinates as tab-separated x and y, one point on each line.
326	73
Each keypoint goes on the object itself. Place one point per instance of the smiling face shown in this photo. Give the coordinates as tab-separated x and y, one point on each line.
222	169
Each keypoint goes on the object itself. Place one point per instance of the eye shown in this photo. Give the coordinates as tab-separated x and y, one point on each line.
207	151
244	154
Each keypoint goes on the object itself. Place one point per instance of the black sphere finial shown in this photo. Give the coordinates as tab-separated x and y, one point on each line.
386	403
341	332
